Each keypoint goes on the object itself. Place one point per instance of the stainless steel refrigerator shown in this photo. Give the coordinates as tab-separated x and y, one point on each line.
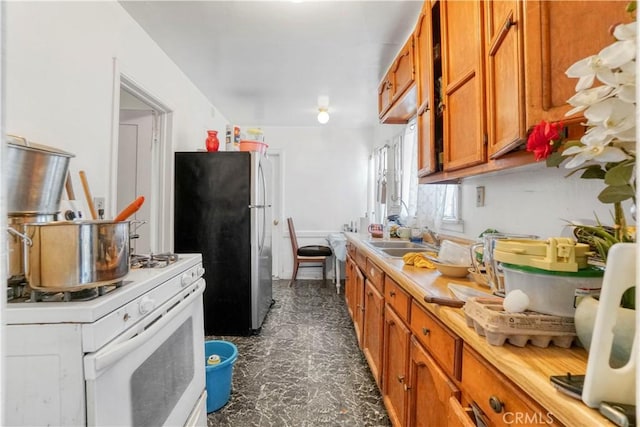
223	211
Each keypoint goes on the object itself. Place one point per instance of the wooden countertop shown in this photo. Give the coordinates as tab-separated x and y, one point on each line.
529	367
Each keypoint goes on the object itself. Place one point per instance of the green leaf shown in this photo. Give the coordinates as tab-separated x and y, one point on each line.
631	7
593	172
555	159
616	193
619	175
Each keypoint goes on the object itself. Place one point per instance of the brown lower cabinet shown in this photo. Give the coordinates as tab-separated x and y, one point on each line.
373	329
429	389
498	400
395	367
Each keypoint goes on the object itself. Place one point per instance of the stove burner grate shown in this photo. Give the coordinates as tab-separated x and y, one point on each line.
85	294
153	260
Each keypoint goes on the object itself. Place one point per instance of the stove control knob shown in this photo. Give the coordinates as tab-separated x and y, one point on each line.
200	272
146	305
186	280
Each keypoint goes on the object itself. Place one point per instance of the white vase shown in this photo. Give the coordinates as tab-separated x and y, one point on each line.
624	330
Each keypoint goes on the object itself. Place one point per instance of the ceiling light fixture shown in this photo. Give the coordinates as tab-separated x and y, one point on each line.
323	115
323	109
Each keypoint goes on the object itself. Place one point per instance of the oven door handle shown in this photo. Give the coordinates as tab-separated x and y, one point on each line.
105	358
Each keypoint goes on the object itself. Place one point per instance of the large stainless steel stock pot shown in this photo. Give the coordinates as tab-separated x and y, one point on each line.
71	255
35	177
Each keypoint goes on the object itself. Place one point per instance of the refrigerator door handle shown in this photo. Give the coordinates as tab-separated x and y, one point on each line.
258	206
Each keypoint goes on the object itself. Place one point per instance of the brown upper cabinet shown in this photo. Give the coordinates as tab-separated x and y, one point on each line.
488	71
504	65
557	34
462	84
426	53
396	93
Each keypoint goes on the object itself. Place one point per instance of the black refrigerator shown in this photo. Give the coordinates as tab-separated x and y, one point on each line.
222	209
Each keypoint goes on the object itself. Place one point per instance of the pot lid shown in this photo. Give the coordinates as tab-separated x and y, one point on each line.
22	143
590	271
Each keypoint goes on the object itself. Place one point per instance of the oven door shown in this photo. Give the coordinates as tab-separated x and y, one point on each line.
154	373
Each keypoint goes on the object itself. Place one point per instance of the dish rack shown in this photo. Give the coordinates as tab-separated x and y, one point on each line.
489	320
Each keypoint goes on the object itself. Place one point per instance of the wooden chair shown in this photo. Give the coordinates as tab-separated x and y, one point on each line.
310	254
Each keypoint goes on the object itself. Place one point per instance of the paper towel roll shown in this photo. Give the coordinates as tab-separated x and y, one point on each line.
364	225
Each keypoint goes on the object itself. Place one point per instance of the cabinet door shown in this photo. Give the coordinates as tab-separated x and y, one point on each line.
358	316
557	34
429	390
457	416
423	45
373	329
504	69
385	92
349	286
403	71
395	366
498	398
462	74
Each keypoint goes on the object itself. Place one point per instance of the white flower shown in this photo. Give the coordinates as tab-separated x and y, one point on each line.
602	65
625	31
596	151
611	115
587	97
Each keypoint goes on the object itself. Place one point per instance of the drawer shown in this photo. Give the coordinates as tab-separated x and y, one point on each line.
375	275
496	395
361	260
444	345
397	298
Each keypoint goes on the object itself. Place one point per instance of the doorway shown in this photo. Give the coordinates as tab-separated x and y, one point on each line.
142	163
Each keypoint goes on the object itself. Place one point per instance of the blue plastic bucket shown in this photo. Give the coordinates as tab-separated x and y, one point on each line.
219	375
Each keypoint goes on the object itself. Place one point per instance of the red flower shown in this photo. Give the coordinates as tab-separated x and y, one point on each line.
543	138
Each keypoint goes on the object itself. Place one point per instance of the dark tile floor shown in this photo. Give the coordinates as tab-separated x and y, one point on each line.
304	369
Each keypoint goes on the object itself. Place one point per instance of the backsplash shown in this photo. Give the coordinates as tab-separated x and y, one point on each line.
532	199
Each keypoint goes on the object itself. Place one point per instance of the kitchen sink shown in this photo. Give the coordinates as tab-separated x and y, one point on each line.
400	252
396	244
398	248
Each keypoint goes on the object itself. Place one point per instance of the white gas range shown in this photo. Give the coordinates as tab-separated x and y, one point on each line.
133	355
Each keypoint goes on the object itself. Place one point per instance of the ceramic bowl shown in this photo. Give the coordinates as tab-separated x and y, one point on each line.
452	270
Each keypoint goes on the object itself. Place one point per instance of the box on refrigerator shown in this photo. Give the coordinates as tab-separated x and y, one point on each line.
232	138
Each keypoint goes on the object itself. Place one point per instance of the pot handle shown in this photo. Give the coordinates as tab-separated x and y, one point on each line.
24	140
24	237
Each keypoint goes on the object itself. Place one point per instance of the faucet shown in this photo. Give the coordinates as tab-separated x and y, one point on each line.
435	239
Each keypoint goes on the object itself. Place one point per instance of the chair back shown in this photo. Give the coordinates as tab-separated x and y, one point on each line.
292	237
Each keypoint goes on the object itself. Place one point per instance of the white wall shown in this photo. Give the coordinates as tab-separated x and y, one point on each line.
324	170
60	82
531	199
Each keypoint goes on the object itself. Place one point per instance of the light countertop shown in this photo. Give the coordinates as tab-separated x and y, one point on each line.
529	367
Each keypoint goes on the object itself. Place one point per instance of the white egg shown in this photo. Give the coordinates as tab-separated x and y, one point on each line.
516	301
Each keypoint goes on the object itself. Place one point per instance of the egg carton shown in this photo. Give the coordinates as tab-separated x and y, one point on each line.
489	320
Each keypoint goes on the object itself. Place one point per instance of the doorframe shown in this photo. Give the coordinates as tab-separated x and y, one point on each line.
276	156
162	165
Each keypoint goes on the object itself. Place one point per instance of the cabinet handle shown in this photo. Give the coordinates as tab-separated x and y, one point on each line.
392	293
426	331
510	22
370	293
406	388
496	404
362	309
401	378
